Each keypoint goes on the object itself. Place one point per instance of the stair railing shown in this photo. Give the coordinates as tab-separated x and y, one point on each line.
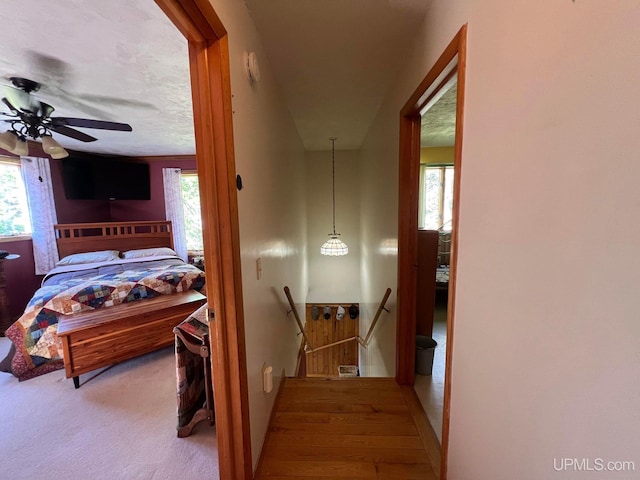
365	343
287	292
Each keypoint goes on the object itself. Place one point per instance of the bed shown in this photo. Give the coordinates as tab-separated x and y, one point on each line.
117	292
444	256
442	277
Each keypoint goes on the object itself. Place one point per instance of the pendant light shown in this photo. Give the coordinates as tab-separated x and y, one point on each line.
334	247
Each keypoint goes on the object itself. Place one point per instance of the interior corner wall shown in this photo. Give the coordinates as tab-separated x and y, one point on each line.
272	212
545	347
333	279
379	241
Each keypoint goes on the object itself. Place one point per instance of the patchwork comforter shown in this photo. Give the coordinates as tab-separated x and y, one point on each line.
84	288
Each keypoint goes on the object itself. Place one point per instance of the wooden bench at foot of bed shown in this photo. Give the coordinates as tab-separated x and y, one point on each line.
92	340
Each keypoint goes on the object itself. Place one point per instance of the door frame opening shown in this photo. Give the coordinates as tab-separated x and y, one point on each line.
452	60
211	93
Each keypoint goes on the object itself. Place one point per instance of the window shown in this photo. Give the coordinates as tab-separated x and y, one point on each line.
192	215
436	197
14	210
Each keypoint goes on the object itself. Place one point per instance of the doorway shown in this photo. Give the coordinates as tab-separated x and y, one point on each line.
452	61
211	91
435	215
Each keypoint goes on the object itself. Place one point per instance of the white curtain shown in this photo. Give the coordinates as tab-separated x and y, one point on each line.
37	179
171	179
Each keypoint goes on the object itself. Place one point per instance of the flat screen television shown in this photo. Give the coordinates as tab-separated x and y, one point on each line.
89	177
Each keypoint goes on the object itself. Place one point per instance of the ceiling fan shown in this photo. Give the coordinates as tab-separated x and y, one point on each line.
29	117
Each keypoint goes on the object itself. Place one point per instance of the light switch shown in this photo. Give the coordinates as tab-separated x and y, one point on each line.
259	268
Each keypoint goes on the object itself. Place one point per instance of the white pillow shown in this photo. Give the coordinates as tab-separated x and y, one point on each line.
89	257
149	252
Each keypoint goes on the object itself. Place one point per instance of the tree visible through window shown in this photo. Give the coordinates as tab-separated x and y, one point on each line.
436	201
192	215
14	210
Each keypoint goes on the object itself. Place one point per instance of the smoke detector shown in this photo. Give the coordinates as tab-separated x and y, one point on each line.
251	67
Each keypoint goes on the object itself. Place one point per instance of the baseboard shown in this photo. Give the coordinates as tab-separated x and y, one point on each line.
283	380
428	436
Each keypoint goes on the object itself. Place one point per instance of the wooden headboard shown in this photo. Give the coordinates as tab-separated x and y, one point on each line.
90	237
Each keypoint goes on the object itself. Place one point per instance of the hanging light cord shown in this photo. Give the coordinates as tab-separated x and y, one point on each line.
333	175
334	247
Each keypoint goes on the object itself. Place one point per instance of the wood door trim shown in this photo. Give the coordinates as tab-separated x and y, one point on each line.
408	221
211	92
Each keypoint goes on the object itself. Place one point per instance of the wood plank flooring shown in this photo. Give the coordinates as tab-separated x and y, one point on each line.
360	428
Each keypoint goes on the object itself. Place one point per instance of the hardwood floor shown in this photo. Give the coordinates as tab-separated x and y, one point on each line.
361	428
430	388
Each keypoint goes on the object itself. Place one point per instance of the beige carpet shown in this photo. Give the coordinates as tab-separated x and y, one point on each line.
120	424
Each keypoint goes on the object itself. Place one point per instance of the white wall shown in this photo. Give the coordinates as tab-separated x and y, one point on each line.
333	279
272	212
379	241
546	345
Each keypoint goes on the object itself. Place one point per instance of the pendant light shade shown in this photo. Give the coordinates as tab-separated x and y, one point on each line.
12	143
334	247
8	141
53	148
22	148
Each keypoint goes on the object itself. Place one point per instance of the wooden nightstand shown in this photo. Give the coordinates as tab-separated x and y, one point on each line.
5	317
199	264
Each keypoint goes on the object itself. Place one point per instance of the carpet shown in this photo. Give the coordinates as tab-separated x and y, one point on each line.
120	424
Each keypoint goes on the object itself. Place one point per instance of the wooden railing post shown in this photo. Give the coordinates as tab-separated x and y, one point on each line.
365	342
287	292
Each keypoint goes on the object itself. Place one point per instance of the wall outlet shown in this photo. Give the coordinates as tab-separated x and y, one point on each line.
259	268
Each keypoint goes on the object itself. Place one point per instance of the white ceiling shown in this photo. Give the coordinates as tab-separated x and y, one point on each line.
111	60
124	61
335	59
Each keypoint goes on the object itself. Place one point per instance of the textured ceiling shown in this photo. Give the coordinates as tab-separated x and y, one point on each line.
438	126
124	61
114	60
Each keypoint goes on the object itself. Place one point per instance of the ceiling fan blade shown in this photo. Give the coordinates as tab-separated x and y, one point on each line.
87	123
70	132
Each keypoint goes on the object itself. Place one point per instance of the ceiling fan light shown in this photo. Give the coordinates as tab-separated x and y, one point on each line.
53	148
58	155
8	141
22	148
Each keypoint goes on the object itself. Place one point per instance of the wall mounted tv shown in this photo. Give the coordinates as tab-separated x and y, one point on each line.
93	177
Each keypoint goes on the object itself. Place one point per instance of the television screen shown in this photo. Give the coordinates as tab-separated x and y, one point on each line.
105	178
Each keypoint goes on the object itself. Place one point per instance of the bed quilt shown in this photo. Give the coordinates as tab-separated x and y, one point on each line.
34	334
190	376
